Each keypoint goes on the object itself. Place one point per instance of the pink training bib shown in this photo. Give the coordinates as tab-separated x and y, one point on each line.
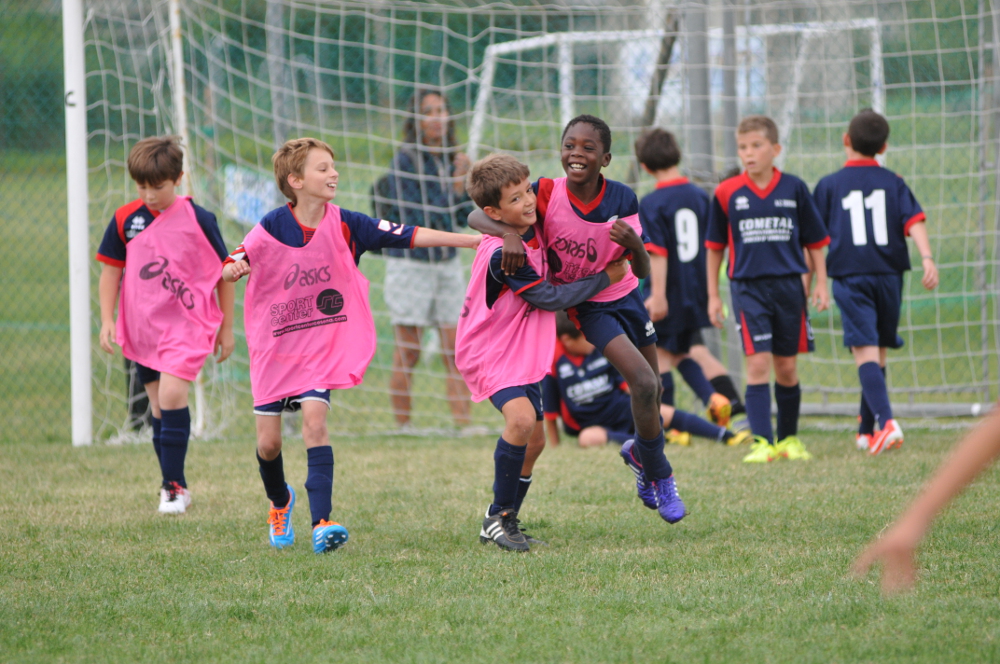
508	345
579	248
167	312
308	322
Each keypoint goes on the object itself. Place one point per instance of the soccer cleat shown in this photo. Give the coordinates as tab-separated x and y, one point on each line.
668	501
739	437
760	452
675	437
719	410
643	488
791	448
739	423
503	530
174	499
280	520
889	437
863	441
527	538
328	536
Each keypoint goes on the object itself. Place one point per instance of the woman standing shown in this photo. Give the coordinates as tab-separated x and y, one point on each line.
425	287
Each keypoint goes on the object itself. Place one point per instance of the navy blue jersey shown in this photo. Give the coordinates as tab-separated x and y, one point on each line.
584	391
363	233
132	219
675	218
765	230
868	211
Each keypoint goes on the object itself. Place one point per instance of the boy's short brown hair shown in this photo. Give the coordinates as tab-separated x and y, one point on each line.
490	175
290	159
566	326
761	123
156	159
868	132
657	149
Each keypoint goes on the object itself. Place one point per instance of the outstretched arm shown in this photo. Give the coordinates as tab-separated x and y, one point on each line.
428	237
897	547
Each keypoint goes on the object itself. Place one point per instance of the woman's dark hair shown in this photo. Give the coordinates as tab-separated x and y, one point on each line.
413	117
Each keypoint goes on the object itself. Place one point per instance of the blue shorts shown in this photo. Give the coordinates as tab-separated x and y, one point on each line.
679	342
621	420
292	404
869	309
145	374
601	322
532	392
771	315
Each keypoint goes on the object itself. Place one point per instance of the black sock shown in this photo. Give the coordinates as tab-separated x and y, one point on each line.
175	431
789	400
522	491
273	474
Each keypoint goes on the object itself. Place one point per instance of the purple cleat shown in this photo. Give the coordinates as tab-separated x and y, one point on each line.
668	501
643	488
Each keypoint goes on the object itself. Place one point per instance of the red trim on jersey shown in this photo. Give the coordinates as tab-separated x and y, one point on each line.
413	238
861	162
671	183
804	336
915	219
552	416
568	419
818	245
763	193
592	205
747	339
545	186
345	230
623	386
654	249
110	261
560	351
718	246
725	190
571	312
732	252
533	242
124	212
524	288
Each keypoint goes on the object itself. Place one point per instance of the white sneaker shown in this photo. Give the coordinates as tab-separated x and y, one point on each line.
174	499
863	441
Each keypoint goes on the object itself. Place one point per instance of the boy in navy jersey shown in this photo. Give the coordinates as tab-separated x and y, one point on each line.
580	216
675	217
765	218
155	165
590	396
869	211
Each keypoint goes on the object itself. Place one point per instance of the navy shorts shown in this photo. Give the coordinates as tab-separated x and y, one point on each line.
620	420
601	322
145	374
680	342
869	309
293	403
771	315
532	392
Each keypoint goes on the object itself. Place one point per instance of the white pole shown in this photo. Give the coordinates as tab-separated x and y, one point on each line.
565	81
77	206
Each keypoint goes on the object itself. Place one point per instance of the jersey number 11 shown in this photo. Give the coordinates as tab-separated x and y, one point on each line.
857	204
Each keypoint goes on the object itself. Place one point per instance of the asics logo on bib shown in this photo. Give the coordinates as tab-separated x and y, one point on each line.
175	287
318	275
574	249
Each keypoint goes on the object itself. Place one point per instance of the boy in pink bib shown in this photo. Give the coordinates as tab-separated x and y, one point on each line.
308	321
586	221
168	318
503	346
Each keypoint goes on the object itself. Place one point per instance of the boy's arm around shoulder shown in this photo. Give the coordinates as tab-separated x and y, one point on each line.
428	237
549	297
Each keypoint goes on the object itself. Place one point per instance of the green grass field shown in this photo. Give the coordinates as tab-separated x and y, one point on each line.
89	572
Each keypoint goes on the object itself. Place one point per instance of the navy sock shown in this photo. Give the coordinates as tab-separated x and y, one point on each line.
695	378
319	482
175	431
522	490
866	418
273	474
619	436
667	381
758	401
654	461
789	400
696	426
874	391
157	427
724	385
507	462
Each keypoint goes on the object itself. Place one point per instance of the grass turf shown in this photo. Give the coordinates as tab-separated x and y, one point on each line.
90	572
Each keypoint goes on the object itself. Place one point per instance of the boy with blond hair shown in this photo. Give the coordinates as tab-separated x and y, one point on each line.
308	321
765	218
169	319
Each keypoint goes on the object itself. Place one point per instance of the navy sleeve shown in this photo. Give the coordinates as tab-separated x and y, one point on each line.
909	208
368	234
812	230
821	196
550	396
651	226
717	235
210	227
112	247
549	297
